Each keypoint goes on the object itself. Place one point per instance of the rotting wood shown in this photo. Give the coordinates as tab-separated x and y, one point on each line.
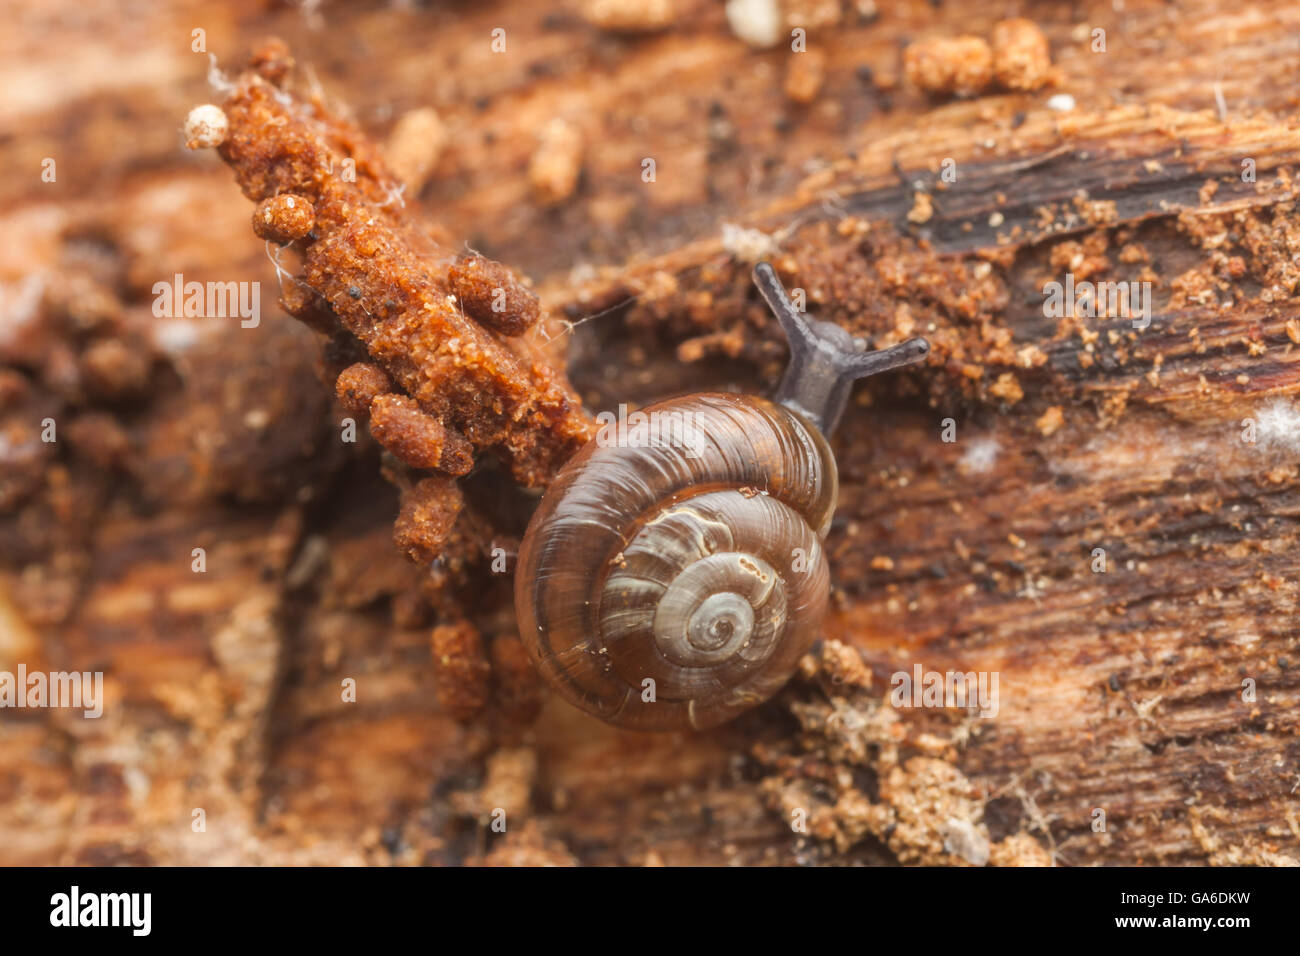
1120	692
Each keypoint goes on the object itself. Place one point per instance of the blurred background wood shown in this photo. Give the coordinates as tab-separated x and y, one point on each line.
1120	692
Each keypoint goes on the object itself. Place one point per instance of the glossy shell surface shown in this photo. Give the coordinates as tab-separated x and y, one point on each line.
673	574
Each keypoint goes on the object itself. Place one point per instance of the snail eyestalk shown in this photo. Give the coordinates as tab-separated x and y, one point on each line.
824	359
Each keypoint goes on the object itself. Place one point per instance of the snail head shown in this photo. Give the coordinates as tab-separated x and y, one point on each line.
825	360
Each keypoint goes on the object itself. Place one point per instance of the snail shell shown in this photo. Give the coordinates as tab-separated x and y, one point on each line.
696	563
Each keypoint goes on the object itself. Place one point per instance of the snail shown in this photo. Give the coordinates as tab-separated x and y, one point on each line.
672	577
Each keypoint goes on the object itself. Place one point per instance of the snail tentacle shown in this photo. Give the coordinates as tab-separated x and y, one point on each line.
673	578
825	360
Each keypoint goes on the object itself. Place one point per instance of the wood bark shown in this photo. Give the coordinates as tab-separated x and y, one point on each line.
1120	691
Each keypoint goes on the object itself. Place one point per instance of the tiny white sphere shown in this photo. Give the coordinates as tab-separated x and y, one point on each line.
1062	102
206	127
757	22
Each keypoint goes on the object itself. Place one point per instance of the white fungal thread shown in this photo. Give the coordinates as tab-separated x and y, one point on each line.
217	79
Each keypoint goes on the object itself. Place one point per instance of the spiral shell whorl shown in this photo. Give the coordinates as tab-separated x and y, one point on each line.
699	566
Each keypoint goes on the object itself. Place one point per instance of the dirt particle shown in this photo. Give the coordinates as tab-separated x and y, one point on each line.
961	65
1007	388
493	296
206	127
1022	59
805	76
1050	421
1019	849
283	219
415	145
557	162
417	438
360	384
517	689
922	208
114	370
460	669
630	16
429	509
757	22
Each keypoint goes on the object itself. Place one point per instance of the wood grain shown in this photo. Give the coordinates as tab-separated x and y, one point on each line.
1118	691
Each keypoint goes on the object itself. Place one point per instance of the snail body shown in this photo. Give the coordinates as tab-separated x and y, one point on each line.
672	578
695	565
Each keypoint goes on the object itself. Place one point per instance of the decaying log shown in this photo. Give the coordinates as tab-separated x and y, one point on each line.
1119	691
